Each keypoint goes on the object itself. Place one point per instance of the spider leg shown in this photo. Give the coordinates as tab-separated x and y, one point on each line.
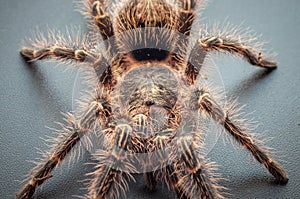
208	105
195	181
102	19
97	60
252	55
185	171
108	178
73	133
186	16
172	178
58	52
97	12
188	175
109	174
154	146
151	180
158	146
140	127
195	62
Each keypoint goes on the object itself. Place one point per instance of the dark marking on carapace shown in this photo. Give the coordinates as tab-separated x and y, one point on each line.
148	54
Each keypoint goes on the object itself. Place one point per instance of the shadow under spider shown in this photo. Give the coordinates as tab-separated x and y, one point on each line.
44	90
251	183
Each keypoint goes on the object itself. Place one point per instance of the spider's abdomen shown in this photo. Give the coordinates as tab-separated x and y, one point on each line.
146	24
146	13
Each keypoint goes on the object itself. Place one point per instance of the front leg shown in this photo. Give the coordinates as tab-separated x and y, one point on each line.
185	171
197	181
114	166
241	134
233	45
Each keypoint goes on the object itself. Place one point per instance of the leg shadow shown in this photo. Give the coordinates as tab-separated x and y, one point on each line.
250	82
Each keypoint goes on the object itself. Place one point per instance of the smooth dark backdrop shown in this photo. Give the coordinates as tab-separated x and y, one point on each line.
32	97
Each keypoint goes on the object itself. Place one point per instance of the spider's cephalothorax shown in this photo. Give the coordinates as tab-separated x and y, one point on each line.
147	99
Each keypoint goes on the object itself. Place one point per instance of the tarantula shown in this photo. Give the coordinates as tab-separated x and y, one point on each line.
148	98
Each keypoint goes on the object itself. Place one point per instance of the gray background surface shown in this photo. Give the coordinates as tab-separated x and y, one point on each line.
32	97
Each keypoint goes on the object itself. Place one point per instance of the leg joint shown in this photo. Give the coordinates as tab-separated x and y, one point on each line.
96	9
123	136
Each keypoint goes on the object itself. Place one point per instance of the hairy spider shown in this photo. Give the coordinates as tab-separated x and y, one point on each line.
148	98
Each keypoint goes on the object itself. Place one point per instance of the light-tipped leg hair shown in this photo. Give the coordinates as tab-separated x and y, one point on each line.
101	18
188	174
184	170
109	176
70	136
67	49
161	155
184	25
237	44
57	52
172	179
74	46
140	128
241	134
186	16
196	179
96	12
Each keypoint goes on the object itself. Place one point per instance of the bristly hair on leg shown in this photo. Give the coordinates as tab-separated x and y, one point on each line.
242	42
245	121
242	135
59	149
65	130
72	39
197	175
114	179
113	165
190	185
